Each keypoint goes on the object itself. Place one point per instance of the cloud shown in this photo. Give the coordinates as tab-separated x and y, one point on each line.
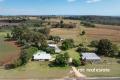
71	0
92	1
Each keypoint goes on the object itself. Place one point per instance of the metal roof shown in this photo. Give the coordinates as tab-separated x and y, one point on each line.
57	49
90	56
41	55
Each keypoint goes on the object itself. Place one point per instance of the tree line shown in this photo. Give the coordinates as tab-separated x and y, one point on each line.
107	20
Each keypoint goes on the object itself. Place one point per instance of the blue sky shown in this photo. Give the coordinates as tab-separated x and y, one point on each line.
60	7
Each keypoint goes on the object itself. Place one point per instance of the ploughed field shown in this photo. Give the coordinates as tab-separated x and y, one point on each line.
103	33
8	50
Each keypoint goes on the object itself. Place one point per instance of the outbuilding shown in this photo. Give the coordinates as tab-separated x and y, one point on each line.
57	49
92	57
41	56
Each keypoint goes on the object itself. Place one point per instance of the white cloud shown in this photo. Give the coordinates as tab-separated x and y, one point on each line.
92	1
71	0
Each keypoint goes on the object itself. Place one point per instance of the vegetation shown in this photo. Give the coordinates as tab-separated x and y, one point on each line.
67	44
26	36
107	20
87	24
76	62
83	33
105	47
61	60
50	50
94	43
82	49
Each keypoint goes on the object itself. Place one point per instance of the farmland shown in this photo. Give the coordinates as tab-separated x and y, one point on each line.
8	49
41	70
99	33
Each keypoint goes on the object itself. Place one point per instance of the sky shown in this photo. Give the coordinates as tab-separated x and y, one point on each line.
60	7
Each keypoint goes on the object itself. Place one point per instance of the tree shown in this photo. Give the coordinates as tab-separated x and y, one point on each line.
67	44
56	39
115	50
61	59
8	36
61	23
76	63
104	47
87	24
94	43
50	50
83	33
45	31
82	49
66	56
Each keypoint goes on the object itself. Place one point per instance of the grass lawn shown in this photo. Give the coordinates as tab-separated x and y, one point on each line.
111	64
34	70
73	54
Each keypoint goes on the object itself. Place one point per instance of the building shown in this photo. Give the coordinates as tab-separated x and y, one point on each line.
91	57
42	56
57	49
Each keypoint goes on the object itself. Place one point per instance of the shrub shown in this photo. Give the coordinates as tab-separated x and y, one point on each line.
76	63
67	44
94	43
82	49
104	47
87	24
83	33
61	60
50	50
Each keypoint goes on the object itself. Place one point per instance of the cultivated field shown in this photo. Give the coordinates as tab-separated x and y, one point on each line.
103	33
8	50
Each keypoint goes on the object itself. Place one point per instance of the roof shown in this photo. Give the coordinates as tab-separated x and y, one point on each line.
53	45
90	56
57	49
41	55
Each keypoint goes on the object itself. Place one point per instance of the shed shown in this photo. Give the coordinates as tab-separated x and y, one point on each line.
40	55
91	57
57	49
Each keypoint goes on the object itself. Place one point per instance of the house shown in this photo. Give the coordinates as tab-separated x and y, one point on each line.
92	57
42	56
57	49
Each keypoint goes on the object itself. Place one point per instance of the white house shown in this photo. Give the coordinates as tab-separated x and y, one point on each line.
40	55
91	57
57	49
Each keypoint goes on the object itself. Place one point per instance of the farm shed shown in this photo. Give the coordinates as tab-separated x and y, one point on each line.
40	55
91	57
57	49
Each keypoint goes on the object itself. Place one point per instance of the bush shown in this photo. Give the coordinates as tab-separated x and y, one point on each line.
67	44
61	60
105	47
50	50
94	43
87	24
83	33
76	63
82	49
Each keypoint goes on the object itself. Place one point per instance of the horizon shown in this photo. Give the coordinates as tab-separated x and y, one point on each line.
60	7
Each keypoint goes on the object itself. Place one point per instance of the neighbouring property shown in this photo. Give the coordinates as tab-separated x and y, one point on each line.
57	49
92	57
42	56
